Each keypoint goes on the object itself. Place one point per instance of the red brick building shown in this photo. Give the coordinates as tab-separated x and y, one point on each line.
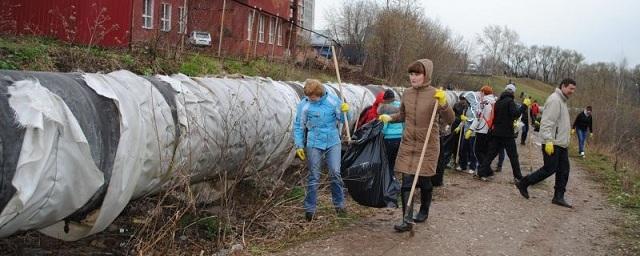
251	27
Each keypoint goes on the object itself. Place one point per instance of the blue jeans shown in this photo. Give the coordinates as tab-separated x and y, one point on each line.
332	156
582	137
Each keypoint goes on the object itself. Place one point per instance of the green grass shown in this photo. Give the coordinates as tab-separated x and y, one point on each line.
623	190
29	53
198	65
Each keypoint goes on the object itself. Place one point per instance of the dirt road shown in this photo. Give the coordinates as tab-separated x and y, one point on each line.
472	217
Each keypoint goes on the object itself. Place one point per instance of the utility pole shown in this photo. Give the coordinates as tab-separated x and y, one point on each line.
224	5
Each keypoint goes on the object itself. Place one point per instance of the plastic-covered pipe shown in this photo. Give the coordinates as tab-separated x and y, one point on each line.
76	148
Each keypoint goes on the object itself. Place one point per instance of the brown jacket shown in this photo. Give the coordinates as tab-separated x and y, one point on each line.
415	110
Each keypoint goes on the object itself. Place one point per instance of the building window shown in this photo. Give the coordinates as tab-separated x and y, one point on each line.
272	30
261	28
147	14
249	26
166	17
280	34
182	23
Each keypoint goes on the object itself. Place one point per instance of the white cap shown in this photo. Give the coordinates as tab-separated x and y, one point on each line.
510	87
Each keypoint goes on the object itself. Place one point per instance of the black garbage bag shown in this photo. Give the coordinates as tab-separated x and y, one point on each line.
365	169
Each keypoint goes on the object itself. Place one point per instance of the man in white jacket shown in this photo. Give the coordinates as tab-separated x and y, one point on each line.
555	130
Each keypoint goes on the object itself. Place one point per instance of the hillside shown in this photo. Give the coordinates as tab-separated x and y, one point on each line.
534	88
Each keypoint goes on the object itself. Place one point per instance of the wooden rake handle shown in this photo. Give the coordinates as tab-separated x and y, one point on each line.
346	120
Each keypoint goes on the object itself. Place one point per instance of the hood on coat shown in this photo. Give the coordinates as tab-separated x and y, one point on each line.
428	71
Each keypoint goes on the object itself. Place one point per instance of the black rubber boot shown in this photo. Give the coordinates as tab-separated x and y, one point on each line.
522	185
407	212
558	199
425	203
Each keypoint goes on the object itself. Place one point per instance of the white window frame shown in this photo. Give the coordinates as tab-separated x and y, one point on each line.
280	33
147	14
261	28
165	19
182	22
250	26
272	30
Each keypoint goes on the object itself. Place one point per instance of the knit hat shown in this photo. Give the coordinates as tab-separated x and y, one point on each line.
510	87
389	95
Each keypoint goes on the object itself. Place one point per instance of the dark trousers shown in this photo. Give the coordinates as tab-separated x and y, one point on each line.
467	156
557	163
481	147
392	146
497	144
443	159
424	183
523	136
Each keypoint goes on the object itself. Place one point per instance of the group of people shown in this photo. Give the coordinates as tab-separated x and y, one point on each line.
481	125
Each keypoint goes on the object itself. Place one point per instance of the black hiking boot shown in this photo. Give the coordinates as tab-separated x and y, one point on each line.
522	185
425	203
308	216
558	199
407	212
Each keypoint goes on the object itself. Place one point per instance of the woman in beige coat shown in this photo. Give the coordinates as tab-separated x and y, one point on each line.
415	111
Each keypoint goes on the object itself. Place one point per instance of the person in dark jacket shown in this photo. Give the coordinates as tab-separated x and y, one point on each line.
524	111
582	124
458	109
506	112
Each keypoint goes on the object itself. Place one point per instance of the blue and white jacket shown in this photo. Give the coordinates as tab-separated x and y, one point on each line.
322	120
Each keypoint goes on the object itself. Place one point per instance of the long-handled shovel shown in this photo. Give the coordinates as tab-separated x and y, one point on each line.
424	148
346	121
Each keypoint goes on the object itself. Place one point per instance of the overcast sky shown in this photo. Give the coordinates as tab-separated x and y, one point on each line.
599	29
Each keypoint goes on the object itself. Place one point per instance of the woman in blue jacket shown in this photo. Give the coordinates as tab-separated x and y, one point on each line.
317	132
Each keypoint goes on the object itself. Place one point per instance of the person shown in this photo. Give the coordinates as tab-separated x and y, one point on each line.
371	113
524	117
503	135
459	109
415	110
480	124
535	109
554	131
317	136
582	125
392	131
446	146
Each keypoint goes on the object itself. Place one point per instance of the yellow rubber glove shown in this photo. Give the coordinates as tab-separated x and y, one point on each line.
548	148
344	107
440	96
384	118
537	123
457	130
300	154
464	118
468	134
573	131
590	135
515	124
526	102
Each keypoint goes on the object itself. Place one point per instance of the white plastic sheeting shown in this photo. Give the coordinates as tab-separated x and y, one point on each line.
211	128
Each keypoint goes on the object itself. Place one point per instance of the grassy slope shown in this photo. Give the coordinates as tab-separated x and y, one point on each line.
534	88
40	54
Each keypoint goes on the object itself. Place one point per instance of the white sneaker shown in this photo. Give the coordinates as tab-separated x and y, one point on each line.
458	169
582	154
470	171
